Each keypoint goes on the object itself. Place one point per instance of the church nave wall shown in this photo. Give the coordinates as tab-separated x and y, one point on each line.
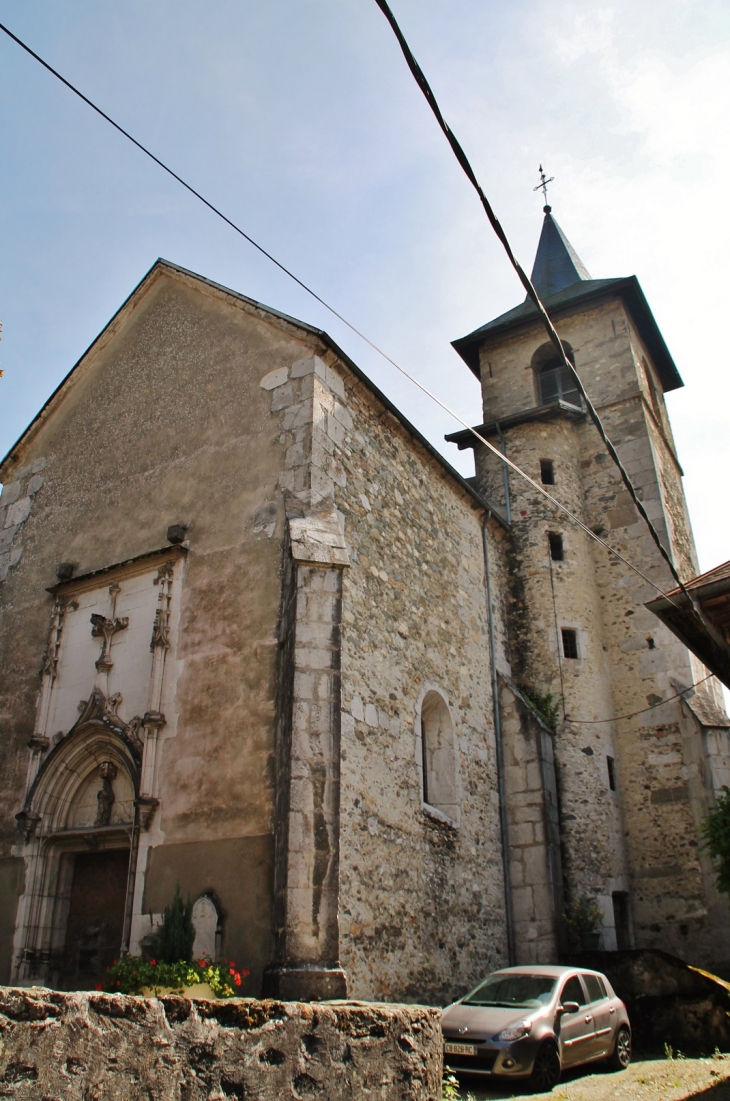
422	902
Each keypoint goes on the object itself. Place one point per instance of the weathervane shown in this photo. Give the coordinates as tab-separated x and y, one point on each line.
542	186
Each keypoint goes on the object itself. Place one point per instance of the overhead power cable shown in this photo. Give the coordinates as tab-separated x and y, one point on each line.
424	389
463	160
618	718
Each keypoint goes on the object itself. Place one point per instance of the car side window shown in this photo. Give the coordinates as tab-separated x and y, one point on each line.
595	988
573	992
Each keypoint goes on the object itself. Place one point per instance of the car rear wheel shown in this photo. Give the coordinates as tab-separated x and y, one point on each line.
620	1057
546	1069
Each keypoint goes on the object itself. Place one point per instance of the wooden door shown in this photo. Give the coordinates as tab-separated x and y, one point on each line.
96	917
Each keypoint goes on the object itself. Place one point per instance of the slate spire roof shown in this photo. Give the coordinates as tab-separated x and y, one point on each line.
557	265
563	284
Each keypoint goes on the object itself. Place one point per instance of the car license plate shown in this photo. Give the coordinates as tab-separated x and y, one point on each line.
460	1049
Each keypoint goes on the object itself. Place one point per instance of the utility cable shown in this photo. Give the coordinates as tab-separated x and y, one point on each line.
424	389
618	718
461	157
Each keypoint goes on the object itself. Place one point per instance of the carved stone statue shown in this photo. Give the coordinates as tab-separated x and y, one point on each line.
105	795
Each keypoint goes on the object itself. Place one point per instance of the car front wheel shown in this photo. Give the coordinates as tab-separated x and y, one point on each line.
546	1070
621	1055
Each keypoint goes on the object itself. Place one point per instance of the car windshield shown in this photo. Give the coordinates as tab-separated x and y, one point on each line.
520	991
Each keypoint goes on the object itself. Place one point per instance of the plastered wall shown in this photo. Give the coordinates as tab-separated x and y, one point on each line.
167	423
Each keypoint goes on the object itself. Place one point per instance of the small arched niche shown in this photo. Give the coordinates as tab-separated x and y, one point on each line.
438	756
553	380
206	922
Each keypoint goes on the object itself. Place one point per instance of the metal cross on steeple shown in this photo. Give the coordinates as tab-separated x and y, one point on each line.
542	186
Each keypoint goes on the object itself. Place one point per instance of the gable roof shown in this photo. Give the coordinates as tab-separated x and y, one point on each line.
165	266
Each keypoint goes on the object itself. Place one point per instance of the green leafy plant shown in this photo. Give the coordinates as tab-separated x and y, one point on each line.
177	935
583	915
450	1091
716	839
132	974
547	707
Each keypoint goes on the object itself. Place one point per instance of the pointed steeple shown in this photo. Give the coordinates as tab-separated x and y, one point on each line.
557	264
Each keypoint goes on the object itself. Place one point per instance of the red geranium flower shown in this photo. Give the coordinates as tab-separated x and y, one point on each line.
245	971
153	963
98	986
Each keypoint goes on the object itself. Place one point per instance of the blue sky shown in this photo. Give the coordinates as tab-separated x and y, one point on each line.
299	119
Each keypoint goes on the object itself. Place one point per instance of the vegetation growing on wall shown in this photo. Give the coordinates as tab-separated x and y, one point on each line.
547	707
716	834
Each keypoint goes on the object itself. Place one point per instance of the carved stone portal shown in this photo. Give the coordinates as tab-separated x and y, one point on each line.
161	626
106	629
101	627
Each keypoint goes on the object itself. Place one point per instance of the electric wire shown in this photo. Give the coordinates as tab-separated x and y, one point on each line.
461	157
424	389
618	718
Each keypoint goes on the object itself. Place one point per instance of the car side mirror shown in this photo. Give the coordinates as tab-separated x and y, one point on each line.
568	1007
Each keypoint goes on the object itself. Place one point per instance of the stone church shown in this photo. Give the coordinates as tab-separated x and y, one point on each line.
380	722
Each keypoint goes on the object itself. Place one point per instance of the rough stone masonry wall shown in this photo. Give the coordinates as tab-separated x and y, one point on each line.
108	1047
421	899
639	661
546	596
531	796
674	903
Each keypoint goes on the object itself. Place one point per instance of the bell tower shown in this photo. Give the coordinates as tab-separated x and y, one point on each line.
635	774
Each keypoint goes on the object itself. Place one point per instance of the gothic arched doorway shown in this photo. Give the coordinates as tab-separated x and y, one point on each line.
80	829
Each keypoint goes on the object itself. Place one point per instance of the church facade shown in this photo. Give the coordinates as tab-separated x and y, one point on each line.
260	640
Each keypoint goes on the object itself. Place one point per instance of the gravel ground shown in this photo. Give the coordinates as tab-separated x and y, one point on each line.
645	1080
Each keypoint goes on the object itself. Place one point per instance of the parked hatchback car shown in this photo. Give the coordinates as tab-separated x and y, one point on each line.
533	1021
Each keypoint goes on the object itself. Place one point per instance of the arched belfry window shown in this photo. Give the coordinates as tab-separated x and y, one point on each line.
438	756
554	381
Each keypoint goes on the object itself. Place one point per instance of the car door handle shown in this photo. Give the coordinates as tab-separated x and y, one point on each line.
588	1017
612	1009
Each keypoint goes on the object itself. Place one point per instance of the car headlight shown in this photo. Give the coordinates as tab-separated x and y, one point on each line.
515	1032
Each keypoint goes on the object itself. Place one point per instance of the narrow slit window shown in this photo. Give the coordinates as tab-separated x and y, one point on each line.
556	546
611	773
570	642
547	473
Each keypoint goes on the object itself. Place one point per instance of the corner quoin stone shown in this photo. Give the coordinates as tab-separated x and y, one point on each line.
110	1047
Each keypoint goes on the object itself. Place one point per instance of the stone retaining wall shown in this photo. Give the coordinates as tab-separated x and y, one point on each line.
104	1047
669	1001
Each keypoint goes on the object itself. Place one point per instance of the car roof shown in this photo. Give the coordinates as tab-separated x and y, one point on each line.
554	971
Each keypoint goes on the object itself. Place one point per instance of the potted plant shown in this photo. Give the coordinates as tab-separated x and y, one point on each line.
171	970
584	917
190	979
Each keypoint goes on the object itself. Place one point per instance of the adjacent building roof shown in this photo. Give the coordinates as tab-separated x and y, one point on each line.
562	281
712	592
